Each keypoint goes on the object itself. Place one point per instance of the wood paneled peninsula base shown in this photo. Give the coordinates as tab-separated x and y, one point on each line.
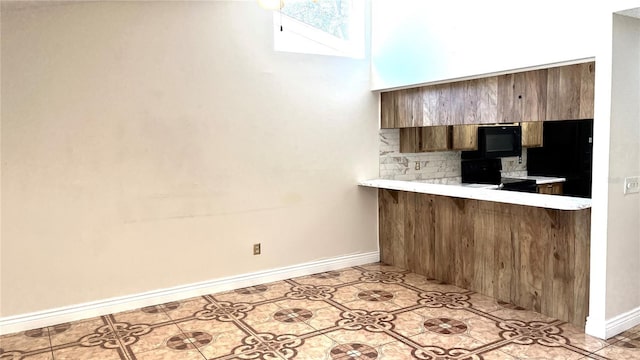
533	257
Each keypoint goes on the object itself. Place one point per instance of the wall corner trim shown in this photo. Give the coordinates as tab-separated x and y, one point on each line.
51	317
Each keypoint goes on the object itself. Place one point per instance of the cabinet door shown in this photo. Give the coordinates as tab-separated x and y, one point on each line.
508	110
522	96
480	101
425	139
532	133
570	92
464	137
401	108
550	189
587	83
531	94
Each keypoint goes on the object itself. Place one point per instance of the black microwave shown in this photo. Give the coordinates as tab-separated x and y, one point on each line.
499	141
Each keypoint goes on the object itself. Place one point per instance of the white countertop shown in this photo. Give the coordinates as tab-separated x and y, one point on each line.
482	193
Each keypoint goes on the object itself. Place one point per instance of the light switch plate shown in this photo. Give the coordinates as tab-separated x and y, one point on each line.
632	184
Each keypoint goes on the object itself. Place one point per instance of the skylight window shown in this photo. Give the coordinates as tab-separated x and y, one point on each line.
326	27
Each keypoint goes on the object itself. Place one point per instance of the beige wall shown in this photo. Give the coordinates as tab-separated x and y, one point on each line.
623	249
149	144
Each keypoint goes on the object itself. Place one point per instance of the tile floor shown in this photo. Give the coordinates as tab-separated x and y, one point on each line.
365	312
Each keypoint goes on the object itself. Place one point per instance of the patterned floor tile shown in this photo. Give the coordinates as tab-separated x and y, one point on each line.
369	338
315	348
364	312
483	303
247	294
523	315
33	341
395	293
497	355
394	351
13	355
149	316
170	354
330	278
440	337
90	332
87	353
381	267
370	300
276	290
618	352
537	351
187	308
146	338
212	338
440	287
571	334
325	317
285	324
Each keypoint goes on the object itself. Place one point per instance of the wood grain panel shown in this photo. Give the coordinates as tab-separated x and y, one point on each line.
563	92
444	105
507	107
532	87
464	137
487	100
532	132
387	113
425	139
424	241
587	84
532	257
430	98
408	108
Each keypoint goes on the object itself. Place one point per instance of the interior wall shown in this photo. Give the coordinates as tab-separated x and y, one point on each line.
417	42
149	144
623	249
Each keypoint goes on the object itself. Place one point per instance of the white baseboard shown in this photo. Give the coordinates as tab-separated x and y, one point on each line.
622	322
614	326
51	317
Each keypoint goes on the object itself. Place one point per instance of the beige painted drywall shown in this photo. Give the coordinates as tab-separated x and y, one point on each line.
623	245
148	144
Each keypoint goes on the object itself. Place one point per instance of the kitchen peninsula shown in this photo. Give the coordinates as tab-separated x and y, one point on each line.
528	249
525	248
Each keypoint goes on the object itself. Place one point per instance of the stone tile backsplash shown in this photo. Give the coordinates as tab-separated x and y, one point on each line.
441	167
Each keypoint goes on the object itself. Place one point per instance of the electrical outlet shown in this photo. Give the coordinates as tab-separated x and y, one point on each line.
632	184
256	249
417	165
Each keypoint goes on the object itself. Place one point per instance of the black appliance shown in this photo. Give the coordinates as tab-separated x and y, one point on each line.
497	142
567	152
481	171
487	171
522	185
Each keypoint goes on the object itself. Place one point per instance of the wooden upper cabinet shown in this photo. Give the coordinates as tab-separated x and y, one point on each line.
424	139
570	92
560	93
532	133
480	101
464	137
401	108
522	96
